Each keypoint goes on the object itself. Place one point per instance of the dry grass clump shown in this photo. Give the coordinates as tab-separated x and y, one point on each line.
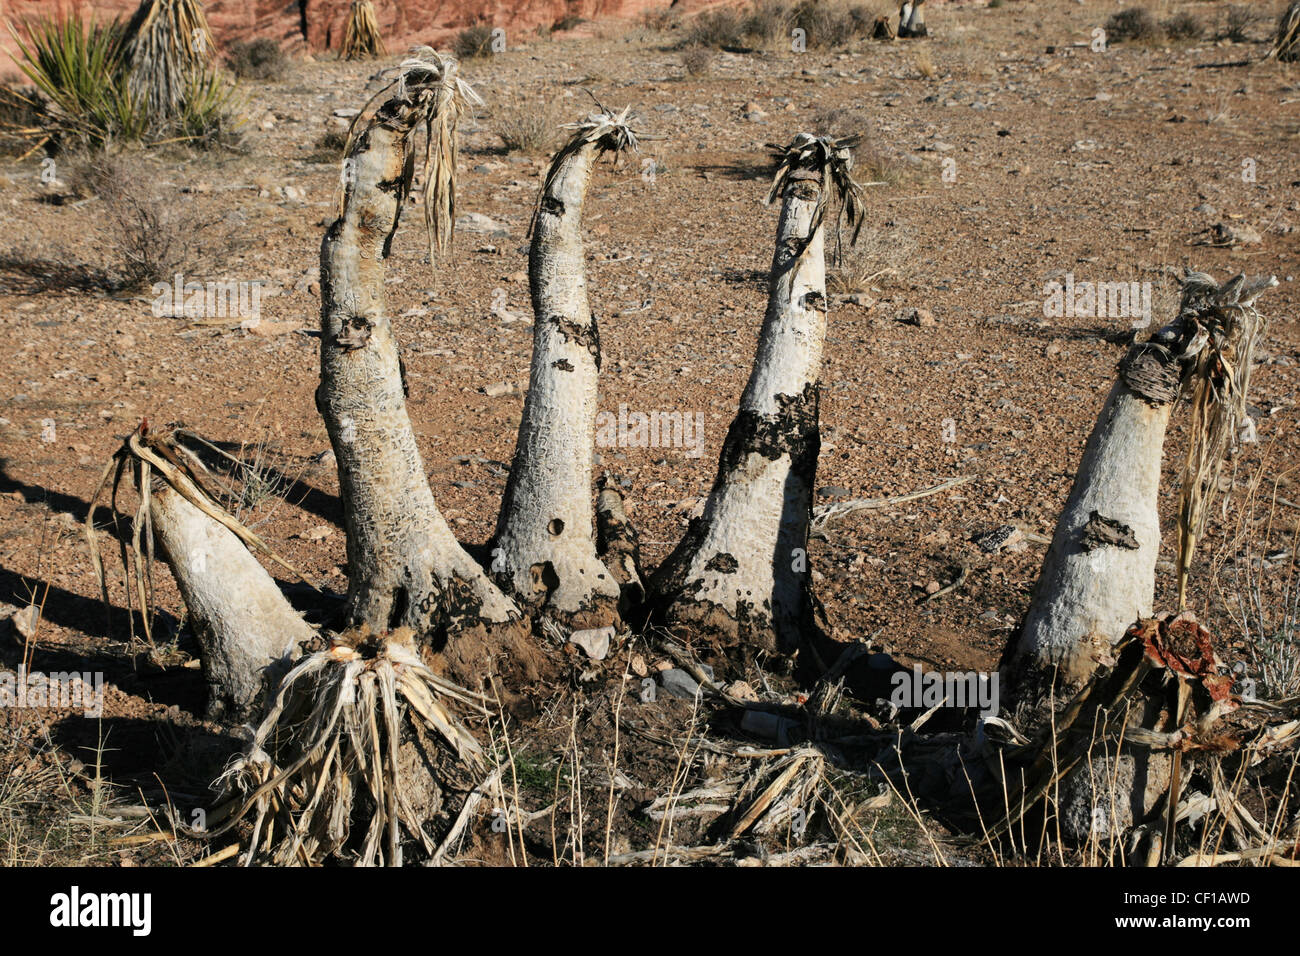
698	60
527	128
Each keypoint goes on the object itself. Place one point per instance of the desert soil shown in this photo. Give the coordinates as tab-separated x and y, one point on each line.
1107	165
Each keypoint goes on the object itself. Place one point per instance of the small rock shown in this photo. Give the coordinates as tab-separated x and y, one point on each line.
741	690
921	318
1006	536
594	642
677	683
477	222
25	621
833	491
498	389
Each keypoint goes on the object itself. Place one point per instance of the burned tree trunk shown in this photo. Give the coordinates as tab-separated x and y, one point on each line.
741	571
545	550
405	566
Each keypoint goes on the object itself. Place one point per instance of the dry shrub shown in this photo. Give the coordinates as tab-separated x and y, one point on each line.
525	128
661	20
768	20
151	238
1135	23
717	28
260	59
1237	21
1183	26
698	60
474	43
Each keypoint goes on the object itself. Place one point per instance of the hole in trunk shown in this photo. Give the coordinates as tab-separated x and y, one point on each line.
555	527
401	600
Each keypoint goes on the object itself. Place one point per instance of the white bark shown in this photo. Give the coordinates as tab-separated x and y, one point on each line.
544	550
1086	599
245	626
405	566
1099	574
911	19
742	569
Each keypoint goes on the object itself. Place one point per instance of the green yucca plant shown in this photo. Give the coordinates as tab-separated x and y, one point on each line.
151	80
211	111
75	65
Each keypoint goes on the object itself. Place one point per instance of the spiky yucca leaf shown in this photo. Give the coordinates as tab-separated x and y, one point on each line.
429	83
361	39
1226	328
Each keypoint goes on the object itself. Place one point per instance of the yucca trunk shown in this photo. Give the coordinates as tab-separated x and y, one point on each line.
741	570
911	19
405	566
545	549
1099	578
247	631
